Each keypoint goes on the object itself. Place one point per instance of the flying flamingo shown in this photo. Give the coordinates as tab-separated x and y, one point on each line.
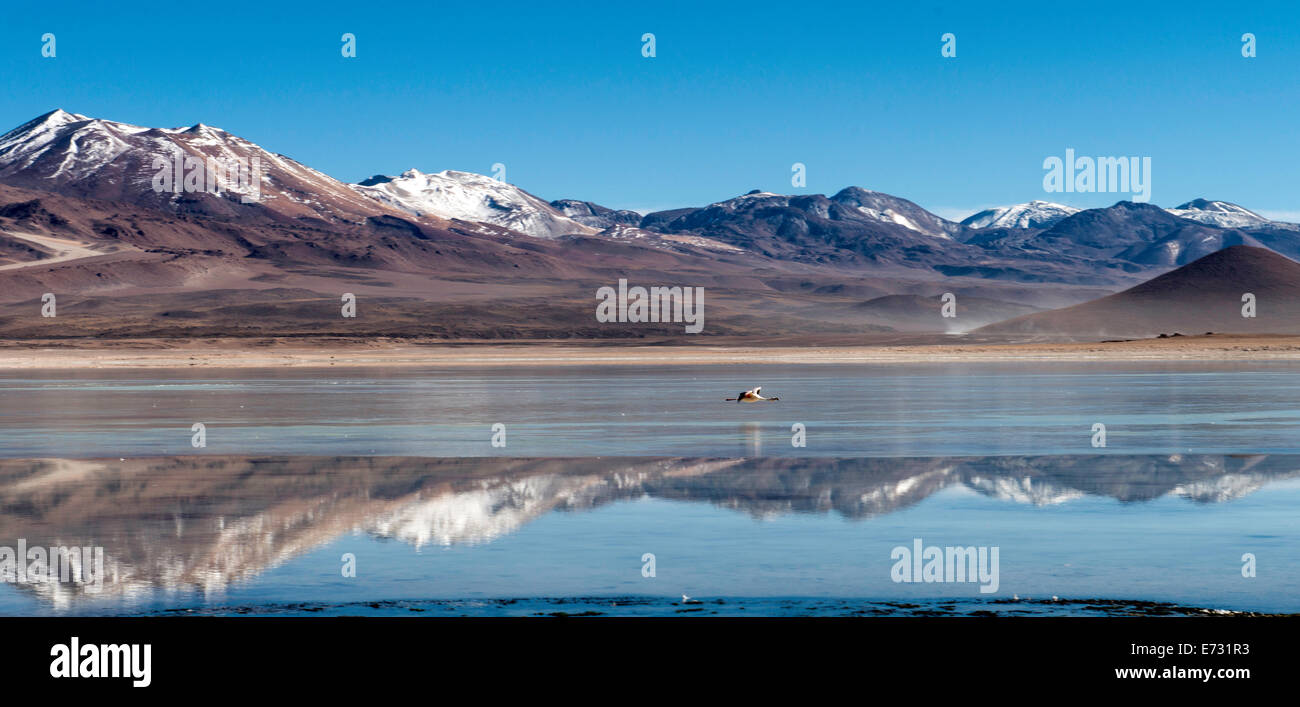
753	396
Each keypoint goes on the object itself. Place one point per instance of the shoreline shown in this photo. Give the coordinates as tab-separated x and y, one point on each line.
279	353
649	606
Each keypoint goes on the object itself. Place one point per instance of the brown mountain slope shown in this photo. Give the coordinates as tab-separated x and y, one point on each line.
126	270
1202	296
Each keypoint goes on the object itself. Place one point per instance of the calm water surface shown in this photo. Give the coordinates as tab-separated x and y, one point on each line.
886	410
603	465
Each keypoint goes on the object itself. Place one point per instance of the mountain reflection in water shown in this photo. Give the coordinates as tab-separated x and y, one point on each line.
201	523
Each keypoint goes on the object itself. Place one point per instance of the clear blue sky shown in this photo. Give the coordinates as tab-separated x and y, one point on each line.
738	92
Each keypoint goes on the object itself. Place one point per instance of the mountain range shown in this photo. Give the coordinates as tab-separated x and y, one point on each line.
458	254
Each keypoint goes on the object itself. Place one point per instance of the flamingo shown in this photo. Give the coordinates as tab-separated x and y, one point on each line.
753	396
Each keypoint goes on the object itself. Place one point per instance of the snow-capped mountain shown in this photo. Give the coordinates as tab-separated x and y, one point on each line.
595	215
1219	213
895	210
104	159
851	204
1035	214
471	197
1138	233
854	224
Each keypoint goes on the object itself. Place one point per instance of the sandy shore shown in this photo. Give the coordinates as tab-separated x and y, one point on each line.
236	353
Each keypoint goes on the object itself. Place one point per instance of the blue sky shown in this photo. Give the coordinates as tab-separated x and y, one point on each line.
736	94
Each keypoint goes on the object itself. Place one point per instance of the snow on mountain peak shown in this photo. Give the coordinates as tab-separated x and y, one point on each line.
595	215
106	159
860	204
892	209
1218	213
1034	214
60	117
468	196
